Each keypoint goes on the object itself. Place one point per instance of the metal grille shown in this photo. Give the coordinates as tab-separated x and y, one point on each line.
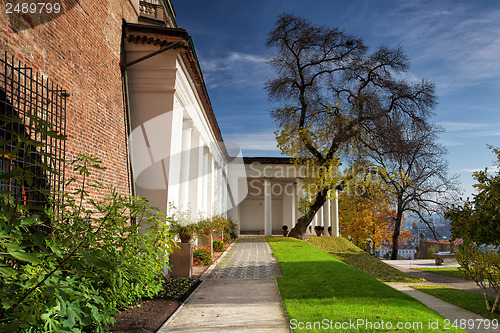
30	108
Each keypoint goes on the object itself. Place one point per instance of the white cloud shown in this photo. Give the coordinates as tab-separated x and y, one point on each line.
491	169
458	132
254	141
235	69
462	40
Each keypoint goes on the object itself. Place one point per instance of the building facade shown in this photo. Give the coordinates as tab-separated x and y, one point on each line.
78	50
156	111
130	91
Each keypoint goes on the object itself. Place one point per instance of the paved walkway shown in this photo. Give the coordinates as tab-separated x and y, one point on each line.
239	294
434	279
447	310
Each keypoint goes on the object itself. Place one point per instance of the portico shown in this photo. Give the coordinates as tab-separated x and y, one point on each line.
275	188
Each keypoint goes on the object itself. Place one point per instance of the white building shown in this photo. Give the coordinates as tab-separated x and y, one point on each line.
178	155
405	252
175	144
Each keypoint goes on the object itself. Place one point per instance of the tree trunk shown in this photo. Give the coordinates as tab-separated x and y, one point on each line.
397	230
495	305
299	231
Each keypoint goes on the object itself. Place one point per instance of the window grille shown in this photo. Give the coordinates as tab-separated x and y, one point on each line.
28	104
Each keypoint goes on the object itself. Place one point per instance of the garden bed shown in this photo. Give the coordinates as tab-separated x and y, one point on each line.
149	315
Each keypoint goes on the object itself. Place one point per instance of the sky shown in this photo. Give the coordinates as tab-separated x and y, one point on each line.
453	43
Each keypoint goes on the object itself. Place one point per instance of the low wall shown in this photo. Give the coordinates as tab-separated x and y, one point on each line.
424	246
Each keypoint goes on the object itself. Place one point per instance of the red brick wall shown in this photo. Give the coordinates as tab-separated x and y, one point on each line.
80	51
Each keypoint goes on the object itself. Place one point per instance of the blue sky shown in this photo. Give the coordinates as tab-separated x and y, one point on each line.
453	43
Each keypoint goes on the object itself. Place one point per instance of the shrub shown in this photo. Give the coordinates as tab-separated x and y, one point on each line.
202	256
71	265
482	265
430	251
218	245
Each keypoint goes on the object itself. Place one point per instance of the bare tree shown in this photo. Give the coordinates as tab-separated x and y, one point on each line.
413	167
334	93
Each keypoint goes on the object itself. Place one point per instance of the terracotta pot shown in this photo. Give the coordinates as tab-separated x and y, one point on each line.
284	232
330	232
185	238
318	232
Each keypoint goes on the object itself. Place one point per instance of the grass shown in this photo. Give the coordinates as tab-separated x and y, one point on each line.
323	294
355	257
461	298
449	271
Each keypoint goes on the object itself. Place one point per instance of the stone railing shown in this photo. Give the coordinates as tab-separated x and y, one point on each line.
153	9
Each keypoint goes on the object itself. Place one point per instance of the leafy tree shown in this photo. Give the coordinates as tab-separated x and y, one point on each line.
412	167
333	93
365	211
478	220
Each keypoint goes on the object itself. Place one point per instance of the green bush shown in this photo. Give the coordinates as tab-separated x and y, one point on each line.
430	251
218	245
202	256
70	266
482	265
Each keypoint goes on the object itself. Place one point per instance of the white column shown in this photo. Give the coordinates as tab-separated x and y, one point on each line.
335	213
319	214
206	192
210	185
174	167
194	172
200	192
185	158
294	206
326	216
268	214
221	190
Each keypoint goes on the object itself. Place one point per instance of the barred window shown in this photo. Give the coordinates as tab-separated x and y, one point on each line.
32	110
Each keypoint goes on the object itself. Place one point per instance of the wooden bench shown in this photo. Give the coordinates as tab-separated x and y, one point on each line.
440	256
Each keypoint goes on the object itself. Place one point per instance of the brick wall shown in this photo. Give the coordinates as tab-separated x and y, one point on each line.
80	51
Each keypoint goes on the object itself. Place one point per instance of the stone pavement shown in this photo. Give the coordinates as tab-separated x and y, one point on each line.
238	294
433	279
447	310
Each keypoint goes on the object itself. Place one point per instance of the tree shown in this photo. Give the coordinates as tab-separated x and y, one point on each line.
333	93
365	211
478	220
412	166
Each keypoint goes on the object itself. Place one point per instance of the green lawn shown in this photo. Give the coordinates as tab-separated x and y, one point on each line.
449	271
323	294
462	298
355	257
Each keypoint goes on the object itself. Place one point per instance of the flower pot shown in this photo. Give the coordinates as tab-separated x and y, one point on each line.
185	238
318	232
284	232
330	232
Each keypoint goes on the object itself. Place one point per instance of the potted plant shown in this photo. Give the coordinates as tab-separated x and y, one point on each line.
284	230
330	231
317	229
183	226
204	228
